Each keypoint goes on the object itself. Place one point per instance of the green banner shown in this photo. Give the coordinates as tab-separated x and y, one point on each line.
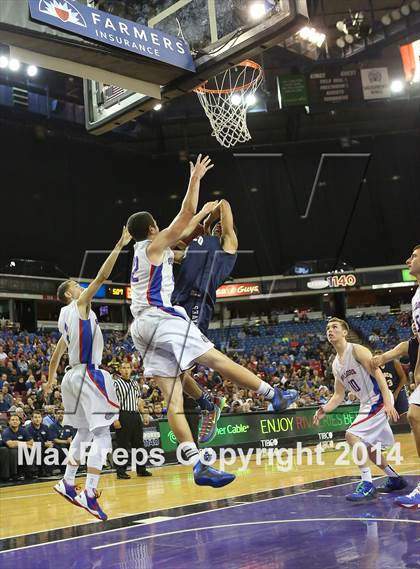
234	430
292	90
406	277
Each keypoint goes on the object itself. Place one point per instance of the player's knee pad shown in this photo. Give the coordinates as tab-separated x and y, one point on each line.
101	445
82	438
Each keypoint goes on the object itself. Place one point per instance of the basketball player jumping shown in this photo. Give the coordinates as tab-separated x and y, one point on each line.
90	403
351	369
167	340
206	264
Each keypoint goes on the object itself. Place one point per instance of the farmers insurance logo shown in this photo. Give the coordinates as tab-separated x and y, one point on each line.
64	11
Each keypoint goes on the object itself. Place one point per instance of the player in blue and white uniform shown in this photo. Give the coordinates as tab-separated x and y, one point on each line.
412	500
205	265
168	341
90	403
352	372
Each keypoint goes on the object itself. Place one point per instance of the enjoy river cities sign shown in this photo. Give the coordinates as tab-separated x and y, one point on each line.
113	30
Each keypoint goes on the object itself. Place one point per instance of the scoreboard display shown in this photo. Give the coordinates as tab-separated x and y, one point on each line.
109	291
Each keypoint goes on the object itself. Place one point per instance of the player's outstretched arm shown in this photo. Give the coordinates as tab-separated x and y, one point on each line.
86	297
59	351
394	354
172	234
229	239
333	403
198	218
364	357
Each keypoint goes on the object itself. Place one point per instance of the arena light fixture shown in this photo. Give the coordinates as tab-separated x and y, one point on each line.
397	86
405	10
317	284
396	15
341	26
157	107
32	70
235	99
257	10
14	65
415	5
251	99
349	38
341	43
386	20
4	61
312	35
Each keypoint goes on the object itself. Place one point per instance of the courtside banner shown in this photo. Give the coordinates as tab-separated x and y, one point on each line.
244	429
239	289
113	31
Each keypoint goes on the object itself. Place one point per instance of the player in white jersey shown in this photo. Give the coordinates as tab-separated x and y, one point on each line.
351	369
412	500
167	340
89	399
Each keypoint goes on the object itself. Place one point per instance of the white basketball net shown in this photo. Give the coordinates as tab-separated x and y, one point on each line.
226	102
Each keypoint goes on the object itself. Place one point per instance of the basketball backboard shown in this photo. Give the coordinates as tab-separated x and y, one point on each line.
219	33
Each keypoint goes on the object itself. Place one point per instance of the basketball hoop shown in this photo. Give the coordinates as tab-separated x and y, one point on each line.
225	99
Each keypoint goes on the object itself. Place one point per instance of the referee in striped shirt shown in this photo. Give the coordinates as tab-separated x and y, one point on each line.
129	426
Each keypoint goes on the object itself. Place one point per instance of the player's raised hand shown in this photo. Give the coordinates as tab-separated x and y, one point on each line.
125	237
201	167
209	206
319	415
391	412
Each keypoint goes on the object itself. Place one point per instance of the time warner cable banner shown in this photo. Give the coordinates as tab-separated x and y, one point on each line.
113	30
268	429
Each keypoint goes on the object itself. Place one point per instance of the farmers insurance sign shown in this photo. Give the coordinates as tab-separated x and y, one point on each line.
239	289
112	30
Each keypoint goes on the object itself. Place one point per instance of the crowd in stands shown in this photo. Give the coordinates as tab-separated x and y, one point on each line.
294	356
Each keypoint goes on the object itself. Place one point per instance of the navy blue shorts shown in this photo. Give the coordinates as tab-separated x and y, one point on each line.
200	312
401	403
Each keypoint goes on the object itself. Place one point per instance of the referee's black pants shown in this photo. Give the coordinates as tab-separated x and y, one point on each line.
130	436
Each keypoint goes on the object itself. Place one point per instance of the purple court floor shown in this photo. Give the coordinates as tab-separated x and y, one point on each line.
307	529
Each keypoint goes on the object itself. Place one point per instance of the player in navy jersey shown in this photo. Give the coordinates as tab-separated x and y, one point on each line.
396	380
168	341
205	265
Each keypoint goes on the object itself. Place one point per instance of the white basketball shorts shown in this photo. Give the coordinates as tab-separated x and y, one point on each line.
89	398
372	426
168	341
415	397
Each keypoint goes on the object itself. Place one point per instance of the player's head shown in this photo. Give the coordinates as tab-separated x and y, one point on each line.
337	330
125	370
413	262
142	225
68	291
